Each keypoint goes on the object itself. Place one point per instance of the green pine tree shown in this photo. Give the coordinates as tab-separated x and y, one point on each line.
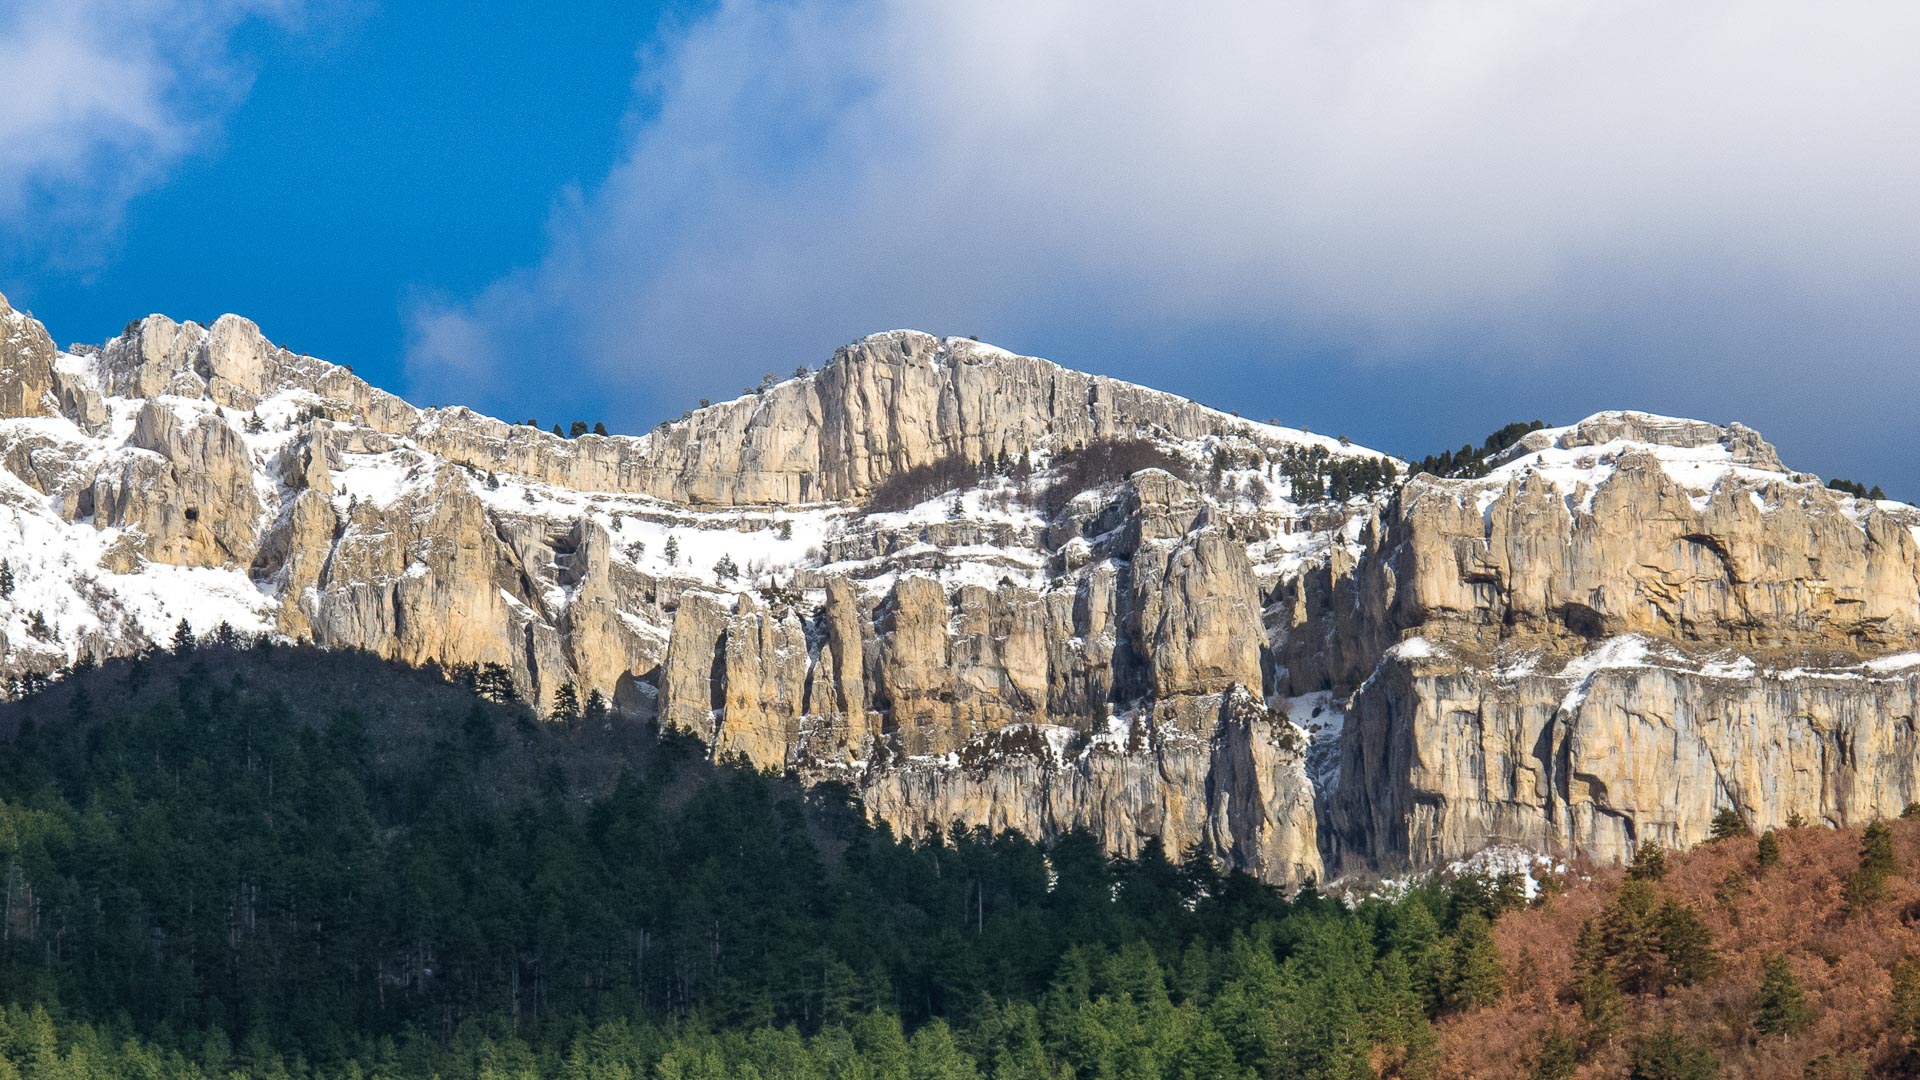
1557	1059
1728	824
933	1055
1416	938
183	638
1668	1055
1769	849
1904	1013
884	1054
1868	885
1602	1006
1687	944
1782	1007
1649	861
1632	935
1478	977
566	704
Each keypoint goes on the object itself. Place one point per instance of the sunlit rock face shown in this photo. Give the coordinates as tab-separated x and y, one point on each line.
1631	623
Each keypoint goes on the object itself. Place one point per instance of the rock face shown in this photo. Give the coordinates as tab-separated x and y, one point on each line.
1112	615
1442	760
1632	624
1123	699
1097	668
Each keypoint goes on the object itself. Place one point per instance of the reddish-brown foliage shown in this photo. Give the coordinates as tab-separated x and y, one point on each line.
1842	958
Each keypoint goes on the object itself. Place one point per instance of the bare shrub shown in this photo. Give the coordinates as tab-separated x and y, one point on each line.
911	487
1103	461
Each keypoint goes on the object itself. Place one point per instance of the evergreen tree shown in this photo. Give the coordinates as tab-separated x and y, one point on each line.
1687	944
37	627
577	429
882	1046
596	710
495	683
1478	978
1868	885
183	639
566	704
1602	1006
1782	1007
599	428
726	569
6	579
1769	849
932	1055
1668	1055
1416	939
557	431
1649	861
1557	1059
1632	936
1905	1007
1728	823
672	550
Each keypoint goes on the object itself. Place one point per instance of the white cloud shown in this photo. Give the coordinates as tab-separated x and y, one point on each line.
1698	179
101	97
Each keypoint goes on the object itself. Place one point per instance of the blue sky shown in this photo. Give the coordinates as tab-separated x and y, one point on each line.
1407	222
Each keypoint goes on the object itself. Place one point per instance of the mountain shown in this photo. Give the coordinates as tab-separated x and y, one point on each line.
977	586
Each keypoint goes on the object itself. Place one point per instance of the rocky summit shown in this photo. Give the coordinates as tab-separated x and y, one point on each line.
979	587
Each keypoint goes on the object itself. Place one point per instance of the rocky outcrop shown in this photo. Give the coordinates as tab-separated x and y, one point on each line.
191	494
1239	794
1441	760
1123	700
1681	541
1758	563
1605	640
26	364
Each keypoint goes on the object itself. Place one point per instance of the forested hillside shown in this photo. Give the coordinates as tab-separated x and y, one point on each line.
1792	954
285	862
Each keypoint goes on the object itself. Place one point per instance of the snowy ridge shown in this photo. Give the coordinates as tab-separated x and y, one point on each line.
86	585
1703	459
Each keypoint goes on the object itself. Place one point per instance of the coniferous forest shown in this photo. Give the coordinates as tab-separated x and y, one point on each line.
291	863
283	862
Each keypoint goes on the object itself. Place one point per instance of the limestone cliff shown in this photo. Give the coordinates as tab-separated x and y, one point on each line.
1098	667
1631	623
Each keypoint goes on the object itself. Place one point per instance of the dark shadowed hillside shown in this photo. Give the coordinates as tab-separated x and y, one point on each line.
292	863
